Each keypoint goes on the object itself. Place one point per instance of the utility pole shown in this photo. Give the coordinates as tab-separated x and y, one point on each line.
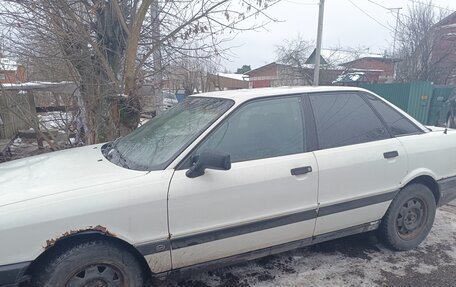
318	49
395	30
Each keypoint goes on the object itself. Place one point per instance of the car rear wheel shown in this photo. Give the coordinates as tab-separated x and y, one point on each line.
91	264
409	218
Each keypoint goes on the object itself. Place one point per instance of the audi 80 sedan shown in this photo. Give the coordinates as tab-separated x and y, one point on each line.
224	177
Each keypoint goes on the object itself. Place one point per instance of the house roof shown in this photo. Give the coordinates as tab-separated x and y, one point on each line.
63	87
262	67
338	56
448	20
311	58
385	60
240	77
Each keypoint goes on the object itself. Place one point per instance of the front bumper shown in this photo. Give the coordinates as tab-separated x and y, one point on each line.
12	274
447	188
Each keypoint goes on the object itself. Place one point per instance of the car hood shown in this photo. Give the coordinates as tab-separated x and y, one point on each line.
57	172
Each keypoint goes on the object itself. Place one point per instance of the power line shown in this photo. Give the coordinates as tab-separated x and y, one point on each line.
368	15
431	5
380	5
384	7
397	20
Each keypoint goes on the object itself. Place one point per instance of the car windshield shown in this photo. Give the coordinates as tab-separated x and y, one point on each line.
155	144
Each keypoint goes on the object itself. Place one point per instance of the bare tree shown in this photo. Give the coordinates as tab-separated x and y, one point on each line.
108	47
295	53
192	73
417	43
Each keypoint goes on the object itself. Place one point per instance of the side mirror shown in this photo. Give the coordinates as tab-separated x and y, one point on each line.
210	160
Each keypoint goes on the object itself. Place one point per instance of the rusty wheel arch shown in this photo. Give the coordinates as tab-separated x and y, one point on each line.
100	230
54	247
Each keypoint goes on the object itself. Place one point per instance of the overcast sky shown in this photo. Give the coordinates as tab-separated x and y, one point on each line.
344	26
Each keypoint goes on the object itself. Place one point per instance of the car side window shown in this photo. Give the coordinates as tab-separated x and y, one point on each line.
345	119
260	129
397	123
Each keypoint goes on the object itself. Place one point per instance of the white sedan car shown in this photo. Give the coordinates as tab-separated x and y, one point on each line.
224	177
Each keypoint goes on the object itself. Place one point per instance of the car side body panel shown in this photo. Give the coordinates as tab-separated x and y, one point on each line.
432	153
256	204
136	215
351	173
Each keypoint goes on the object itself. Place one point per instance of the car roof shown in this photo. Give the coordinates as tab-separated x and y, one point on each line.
247	94
242	95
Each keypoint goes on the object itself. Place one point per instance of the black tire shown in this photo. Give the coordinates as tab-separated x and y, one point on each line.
409	218
93	263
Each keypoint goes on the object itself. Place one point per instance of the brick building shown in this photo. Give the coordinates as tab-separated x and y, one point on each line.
11	72
224	81
377	69
443	55
365	67
275	75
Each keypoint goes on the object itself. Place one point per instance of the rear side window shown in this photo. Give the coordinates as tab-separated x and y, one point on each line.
397	123
260	129
345	119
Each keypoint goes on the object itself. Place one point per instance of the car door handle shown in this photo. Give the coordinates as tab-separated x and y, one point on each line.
301	170
391	154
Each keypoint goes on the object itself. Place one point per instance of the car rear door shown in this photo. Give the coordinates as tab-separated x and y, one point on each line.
361	165
268	197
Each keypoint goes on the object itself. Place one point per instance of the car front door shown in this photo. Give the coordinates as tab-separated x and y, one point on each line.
268	197
361	165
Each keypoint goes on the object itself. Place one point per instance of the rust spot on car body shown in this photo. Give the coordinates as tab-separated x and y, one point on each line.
98	229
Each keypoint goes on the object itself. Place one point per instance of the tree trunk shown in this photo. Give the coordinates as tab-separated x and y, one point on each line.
130	107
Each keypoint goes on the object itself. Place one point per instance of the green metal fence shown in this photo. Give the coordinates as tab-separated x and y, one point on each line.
439	109
414	98
422	100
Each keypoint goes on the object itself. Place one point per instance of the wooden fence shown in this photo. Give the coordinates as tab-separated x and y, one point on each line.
17	111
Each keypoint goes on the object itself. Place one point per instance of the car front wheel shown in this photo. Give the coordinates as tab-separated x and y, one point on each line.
94	263
409	218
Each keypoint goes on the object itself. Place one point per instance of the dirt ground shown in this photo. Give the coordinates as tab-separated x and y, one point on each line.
358	260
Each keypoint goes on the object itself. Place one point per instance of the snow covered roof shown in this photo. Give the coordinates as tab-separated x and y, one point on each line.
240	77
323	66
337	57
8	64
64	87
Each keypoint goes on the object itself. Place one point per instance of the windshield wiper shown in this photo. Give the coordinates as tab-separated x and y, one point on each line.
111	149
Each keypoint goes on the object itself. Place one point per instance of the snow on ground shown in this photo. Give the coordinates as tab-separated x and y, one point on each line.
55	120
358	260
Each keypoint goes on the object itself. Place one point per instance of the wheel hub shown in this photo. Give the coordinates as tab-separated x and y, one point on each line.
96	276
411	218
97	283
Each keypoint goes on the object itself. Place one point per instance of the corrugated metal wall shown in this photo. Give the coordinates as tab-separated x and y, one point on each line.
397	94
420	101
414	98
439	108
